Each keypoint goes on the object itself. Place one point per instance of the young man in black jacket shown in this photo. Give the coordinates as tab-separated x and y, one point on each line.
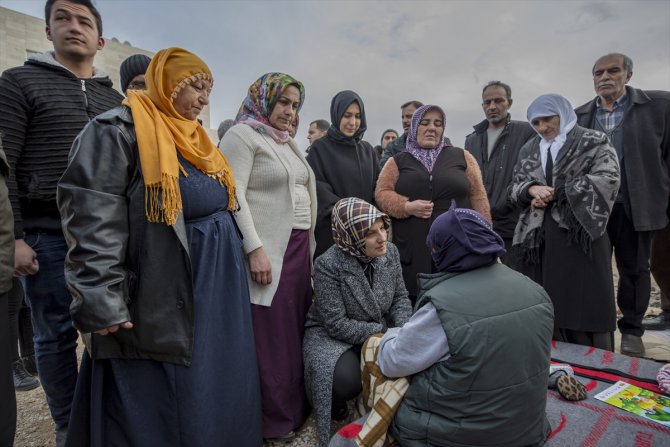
44	104
495	144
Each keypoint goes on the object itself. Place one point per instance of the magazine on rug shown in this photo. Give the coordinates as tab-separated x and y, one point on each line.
645	403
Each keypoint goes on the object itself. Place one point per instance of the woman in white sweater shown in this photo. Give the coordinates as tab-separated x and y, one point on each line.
277	196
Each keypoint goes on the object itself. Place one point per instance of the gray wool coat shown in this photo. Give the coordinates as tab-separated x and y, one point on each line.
345	312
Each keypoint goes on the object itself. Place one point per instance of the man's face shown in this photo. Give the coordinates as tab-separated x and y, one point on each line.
407	113
73	31
313	133
496	104
387	138
610	77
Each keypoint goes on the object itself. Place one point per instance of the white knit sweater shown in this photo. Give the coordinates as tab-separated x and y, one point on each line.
266	192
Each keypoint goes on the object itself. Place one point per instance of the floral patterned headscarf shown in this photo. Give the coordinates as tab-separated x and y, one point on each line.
351	220
261	99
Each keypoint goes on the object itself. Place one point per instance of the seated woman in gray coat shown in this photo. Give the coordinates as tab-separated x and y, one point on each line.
359	292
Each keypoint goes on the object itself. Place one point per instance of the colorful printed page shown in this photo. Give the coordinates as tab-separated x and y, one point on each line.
645	403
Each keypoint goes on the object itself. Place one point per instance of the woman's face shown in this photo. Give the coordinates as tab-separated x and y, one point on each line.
387	138
284	111
192	99
431	128
351	120
547	126
375	240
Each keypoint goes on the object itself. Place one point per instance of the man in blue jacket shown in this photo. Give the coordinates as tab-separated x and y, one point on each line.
637	123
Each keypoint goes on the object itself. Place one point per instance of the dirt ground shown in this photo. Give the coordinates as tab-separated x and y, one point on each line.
35	429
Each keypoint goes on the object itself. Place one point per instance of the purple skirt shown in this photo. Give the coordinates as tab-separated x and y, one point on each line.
278	331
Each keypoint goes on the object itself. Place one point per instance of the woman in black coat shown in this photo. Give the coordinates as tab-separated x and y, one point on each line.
344	165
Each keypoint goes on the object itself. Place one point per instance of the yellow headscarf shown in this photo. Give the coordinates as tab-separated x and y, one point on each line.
160	129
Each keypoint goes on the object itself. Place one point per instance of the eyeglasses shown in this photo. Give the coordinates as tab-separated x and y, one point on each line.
140	85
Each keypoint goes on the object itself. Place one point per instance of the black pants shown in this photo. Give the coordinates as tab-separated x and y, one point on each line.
7	396
512	258
660	263
20	326
631	252
347	378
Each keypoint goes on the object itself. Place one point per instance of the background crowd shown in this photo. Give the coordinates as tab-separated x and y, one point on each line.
251	274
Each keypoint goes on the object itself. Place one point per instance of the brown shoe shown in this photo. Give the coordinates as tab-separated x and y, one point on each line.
632	345
570	388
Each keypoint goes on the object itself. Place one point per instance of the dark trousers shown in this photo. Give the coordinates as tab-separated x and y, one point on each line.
660	264
20	324
55	338
7	396
512	258
631	252
347	377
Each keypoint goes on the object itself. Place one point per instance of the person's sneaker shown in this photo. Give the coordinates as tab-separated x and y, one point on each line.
570	388
22	380
61	436
632	345
30	365
660	322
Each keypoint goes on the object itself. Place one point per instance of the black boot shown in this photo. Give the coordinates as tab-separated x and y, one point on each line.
29	364
22	380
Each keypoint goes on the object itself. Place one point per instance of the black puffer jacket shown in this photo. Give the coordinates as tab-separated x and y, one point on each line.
120	267
44	106
497	170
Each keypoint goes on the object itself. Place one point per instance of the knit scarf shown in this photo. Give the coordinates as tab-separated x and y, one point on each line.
160	129
587	180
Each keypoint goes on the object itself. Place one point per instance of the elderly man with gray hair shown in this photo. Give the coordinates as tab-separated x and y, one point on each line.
637	123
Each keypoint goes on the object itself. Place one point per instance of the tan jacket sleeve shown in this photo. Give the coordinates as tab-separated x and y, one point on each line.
478	199
386	198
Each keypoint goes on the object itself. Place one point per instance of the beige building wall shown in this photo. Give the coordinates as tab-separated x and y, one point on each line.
21	35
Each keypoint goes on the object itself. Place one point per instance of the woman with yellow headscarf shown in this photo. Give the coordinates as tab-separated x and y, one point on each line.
157	273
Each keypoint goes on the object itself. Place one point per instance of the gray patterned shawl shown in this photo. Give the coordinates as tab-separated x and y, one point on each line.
586	180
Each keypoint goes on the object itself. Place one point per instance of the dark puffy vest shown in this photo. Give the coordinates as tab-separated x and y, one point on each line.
492	390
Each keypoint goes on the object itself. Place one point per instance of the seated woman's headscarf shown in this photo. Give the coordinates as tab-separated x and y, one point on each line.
550	105
161	132
351	220
425	155
338	106
462	239
261	99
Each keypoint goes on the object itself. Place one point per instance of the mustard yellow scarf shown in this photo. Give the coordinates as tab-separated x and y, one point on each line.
160	129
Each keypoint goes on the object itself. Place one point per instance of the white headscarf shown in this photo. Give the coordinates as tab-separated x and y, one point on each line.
551	105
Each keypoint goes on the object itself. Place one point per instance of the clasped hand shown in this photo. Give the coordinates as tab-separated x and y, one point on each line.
422	209
541	196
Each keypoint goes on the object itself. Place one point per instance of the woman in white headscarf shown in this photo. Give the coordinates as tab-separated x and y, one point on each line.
566	181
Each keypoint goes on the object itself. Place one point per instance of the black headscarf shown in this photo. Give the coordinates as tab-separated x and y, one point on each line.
338	106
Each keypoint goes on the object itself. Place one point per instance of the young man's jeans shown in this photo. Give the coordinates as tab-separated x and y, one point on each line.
55	338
